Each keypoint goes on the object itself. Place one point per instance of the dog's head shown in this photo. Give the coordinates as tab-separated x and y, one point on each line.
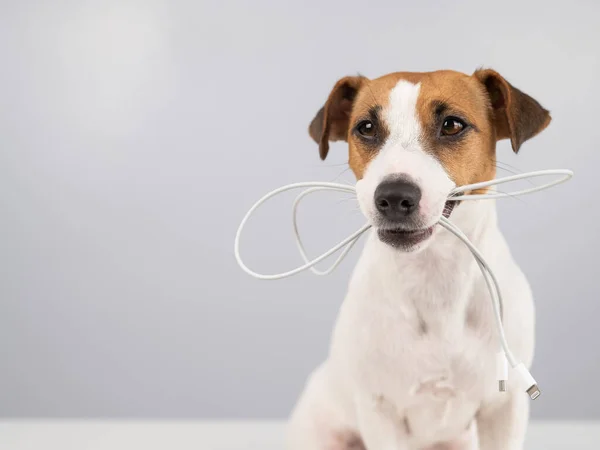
412	137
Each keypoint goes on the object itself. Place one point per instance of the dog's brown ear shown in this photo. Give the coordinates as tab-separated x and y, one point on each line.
333	119
516	115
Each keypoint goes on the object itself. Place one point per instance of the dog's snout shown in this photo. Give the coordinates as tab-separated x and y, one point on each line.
397	199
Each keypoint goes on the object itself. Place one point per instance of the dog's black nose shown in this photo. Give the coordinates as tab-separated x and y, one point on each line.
397	199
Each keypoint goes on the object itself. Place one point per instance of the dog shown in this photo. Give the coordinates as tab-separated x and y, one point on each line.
412	361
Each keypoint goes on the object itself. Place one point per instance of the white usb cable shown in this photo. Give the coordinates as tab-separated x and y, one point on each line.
505	356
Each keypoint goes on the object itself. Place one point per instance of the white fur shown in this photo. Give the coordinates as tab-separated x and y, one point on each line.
403	154
414	342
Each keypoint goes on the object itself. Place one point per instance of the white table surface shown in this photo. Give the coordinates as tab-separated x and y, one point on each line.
203	435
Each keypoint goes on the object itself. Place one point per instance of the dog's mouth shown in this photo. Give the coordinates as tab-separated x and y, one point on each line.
407	239
404	239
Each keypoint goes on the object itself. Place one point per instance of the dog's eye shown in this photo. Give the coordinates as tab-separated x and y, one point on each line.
366	129
452	126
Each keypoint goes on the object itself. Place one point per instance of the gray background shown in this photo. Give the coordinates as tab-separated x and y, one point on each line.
135	134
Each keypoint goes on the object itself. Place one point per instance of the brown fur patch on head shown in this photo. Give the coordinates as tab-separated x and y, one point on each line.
370	102
373	95
491	108
470	156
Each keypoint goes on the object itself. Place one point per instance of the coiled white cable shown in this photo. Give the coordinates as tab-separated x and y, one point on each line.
348	243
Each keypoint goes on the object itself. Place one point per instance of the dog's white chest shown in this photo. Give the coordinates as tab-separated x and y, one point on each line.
425	377
419	368
413	340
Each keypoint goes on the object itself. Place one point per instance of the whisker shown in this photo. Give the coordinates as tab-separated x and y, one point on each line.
514	197
344	182
341	173
512	170
507	165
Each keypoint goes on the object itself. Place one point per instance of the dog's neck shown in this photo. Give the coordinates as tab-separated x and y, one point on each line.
436	283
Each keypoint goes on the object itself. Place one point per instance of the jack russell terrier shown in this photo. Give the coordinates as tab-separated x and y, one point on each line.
412	362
